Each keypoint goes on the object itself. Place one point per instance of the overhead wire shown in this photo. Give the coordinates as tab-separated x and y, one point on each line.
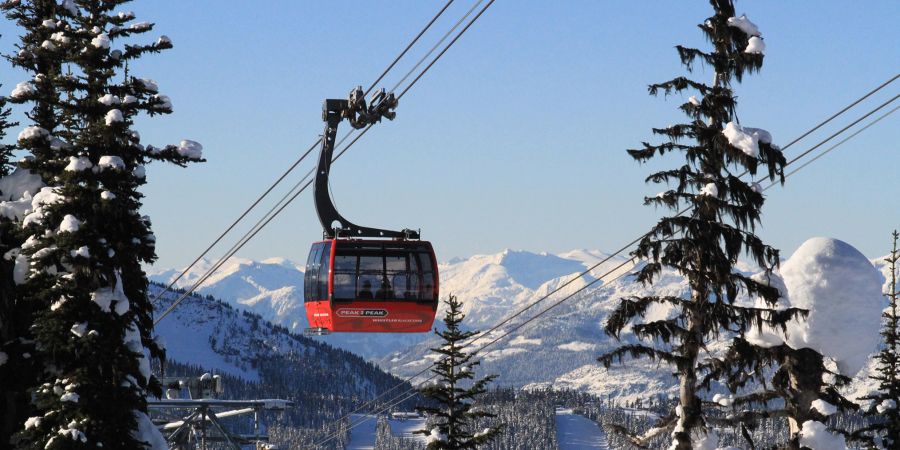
274	211
299	160
619	267
627	246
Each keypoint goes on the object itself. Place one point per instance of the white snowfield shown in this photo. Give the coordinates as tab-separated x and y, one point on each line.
362	435
406	428
574	432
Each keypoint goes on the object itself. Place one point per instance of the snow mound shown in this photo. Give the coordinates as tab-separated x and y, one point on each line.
744	24
744	141
756	45
815	435
842	290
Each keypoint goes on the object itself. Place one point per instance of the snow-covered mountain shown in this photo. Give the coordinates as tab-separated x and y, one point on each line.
490	285
558	349
208	335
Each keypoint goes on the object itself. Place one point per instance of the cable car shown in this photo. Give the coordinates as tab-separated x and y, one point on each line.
361	279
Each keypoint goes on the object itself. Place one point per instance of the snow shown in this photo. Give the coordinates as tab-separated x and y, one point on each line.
522	340
362	435
815	435
82	251
886	405
140	26
708	441
190	149
33	132
69	397
693	100
101	41
723	400
33	422
575	432
20	270
147	432
19	184
756	45
104	297
577	346
69	224
128	99
823	407
78	164
162	102
79	329
3	359
406	427
148	84
769	337
163	40
22	89
710	189
48	45
842	290
111	162
60	37
49	23
745	142
114	116
761	135
106	195
744	24
46	196
109	100
435	436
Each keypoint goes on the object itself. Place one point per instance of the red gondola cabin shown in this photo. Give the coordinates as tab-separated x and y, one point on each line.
371	286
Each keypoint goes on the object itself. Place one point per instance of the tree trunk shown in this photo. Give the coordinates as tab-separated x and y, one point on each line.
805	367
691	413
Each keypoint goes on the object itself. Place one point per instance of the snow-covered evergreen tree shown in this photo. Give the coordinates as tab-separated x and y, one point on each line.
86	240
455	390
705	244
37	56
13	402
885	409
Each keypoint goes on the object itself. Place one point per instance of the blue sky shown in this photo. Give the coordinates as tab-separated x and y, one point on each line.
517	137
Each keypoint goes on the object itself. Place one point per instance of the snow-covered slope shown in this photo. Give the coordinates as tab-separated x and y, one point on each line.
559	349
213	336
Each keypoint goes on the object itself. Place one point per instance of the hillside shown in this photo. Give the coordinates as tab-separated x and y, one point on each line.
556	350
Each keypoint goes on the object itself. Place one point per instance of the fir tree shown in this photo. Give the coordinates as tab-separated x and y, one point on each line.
704	245
456	413
86	238
35	55
13	402
885	409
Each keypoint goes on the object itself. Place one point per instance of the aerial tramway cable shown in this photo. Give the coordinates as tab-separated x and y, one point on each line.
627	246
300	159
277	210
394	402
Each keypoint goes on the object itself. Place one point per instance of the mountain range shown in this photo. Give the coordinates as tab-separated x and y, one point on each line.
557	349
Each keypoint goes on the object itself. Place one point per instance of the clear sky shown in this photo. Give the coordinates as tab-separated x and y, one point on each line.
517	137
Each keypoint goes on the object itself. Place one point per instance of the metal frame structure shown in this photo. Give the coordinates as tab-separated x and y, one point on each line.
360	115
200	426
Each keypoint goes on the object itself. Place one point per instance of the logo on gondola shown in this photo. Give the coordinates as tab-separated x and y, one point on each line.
361	312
